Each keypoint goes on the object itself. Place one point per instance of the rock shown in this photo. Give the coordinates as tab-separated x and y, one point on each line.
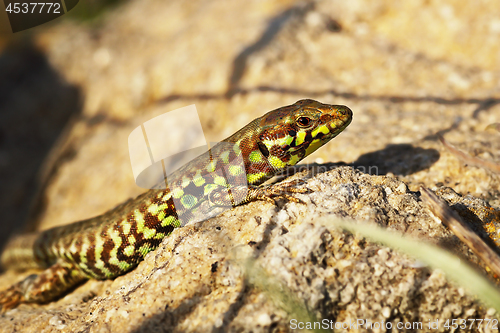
408	71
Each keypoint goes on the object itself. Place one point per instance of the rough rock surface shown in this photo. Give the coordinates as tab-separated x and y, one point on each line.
409	71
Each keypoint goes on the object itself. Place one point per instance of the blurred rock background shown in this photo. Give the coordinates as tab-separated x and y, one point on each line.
72	90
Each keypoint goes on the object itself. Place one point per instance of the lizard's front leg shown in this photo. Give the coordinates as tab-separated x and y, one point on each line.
276	191
237	195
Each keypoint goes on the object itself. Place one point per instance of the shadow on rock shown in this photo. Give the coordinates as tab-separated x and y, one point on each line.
36	104
399	159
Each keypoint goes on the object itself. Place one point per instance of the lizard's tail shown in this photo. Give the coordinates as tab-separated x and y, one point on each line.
18	253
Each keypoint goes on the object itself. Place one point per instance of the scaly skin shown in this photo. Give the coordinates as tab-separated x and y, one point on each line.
228	175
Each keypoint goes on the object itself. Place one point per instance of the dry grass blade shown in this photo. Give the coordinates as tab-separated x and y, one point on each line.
280	294
454	268
453	221
494	167
494	126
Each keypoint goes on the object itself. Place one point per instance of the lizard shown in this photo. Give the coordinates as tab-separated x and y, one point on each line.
231	173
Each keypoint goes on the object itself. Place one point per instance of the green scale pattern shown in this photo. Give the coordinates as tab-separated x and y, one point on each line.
228	175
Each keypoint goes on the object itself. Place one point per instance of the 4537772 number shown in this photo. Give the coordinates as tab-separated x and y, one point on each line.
25	7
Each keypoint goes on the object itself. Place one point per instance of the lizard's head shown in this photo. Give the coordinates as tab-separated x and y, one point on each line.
284	136
293	132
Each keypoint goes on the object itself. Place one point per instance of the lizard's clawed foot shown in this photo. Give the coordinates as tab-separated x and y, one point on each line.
281	191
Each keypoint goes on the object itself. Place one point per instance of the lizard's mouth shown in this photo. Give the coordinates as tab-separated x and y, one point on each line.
336	121
337	126
342	117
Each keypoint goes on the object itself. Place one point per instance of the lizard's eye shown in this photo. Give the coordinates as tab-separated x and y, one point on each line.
303	121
